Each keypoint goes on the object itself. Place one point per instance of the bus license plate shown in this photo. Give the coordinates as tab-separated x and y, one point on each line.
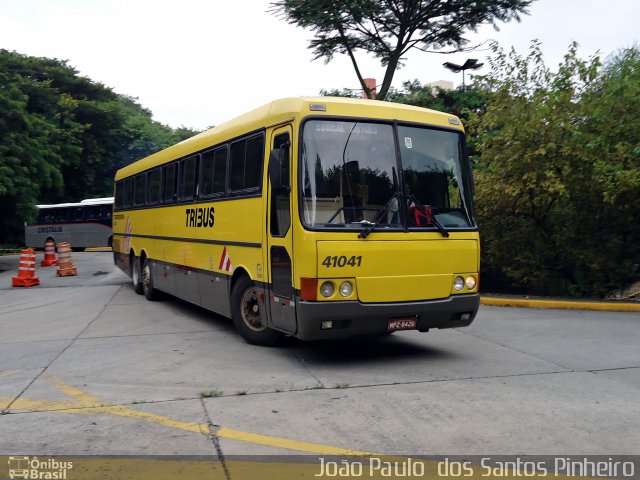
407	323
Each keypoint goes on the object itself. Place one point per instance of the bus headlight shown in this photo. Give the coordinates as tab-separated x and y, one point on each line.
470	282
327	289
458	283
346	289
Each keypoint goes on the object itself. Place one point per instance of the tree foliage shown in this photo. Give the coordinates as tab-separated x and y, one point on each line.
63	136
558	177
388	29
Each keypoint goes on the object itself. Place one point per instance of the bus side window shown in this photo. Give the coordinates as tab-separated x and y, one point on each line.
92	213
119	200
153	186
140	183
220	170
188	178
206	168
78	214
280	210
214	171
169	190
127	200
237	164
254	162
246	163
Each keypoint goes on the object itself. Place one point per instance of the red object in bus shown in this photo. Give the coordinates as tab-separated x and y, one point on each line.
422	211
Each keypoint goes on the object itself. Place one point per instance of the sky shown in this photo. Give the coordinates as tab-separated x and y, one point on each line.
198	63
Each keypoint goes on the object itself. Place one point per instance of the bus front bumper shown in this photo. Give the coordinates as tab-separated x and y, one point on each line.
355	318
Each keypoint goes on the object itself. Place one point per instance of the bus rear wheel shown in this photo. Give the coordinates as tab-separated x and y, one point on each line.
245	312
147	282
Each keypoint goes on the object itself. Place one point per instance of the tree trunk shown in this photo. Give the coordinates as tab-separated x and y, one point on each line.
388	76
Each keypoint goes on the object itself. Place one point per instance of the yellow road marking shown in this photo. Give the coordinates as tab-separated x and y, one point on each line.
287	443
561	304
85	404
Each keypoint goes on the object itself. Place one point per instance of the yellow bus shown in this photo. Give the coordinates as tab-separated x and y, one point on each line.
317	218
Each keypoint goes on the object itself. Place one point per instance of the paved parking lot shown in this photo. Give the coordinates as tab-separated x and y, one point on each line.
89	367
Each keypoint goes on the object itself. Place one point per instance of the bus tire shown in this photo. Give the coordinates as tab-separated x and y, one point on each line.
135	275
246	317
149	291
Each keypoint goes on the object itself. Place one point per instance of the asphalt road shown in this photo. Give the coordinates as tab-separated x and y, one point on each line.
89	367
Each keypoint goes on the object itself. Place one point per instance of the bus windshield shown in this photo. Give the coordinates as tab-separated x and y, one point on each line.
350	178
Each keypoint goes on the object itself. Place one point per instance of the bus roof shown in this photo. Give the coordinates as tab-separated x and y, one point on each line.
83	203
288	109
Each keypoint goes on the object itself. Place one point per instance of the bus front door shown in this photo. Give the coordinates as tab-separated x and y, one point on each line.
282	307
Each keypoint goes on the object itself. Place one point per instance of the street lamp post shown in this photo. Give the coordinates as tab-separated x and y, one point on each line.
470	64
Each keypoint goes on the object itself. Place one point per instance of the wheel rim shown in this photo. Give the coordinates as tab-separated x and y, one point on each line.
250	310
134	273
146	278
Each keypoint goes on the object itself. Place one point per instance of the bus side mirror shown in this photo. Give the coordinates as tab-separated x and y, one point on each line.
279	169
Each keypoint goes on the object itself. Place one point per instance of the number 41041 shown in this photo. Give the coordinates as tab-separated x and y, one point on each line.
342	261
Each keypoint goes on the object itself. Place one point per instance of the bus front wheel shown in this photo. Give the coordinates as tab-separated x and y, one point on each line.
147	281
245	312
135	275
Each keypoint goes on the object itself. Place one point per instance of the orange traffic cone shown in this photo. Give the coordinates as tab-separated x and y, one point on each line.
66	268
27	270
49	254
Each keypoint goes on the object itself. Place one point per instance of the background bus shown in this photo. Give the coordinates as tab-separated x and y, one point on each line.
312	217
84	224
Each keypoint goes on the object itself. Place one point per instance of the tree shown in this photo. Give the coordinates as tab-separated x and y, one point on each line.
610	139
558	177
62	137
388	29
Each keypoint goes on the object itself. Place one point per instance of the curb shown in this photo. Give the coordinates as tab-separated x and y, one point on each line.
561	304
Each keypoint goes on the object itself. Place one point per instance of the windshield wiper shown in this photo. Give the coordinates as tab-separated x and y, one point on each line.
439	226
368	228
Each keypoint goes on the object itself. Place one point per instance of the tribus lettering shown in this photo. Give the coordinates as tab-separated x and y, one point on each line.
199	217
